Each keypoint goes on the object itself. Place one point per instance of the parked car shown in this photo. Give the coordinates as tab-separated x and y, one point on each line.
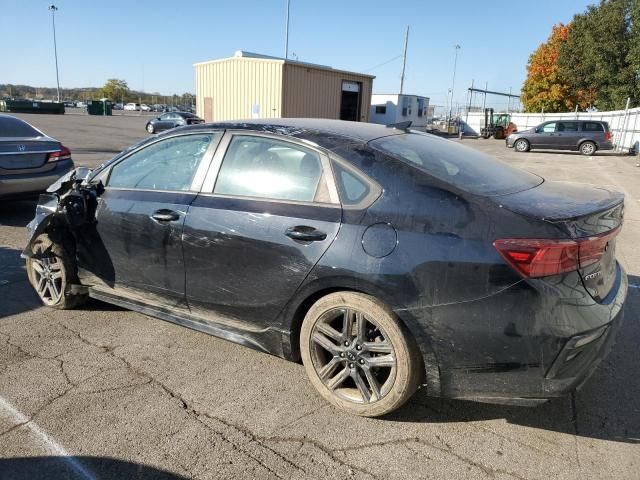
118	106
81	105
586	136
383	258
145	108
132	106
30	161
172	120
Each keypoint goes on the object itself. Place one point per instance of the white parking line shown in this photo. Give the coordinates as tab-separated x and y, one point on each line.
51	445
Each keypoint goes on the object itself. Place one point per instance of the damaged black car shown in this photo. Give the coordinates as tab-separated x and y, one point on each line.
382	258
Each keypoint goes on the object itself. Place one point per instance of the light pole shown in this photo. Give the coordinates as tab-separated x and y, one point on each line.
453	82
286	35
53	9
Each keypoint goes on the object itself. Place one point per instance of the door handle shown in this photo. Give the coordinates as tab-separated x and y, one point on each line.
165	215
305	233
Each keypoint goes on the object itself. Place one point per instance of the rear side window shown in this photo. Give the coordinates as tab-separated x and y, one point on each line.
352	188
568	126
458	165
14	127
169	164
268	168
592	127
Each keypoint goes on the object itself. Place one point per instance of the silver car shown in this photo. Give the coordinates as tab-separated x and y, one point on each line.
585	136
30	161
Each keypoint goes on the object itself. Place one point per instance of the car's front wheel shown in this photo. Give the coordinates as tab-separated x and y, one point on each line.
522	145
357	354
50	271
587	148
151	128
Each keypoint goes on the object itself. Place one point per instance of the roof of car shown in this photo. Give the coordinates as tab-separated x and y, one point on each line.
360	131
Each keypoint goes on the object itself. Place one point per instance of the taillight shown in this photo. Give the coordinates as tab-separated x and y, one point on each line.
544	257
607	135
63	154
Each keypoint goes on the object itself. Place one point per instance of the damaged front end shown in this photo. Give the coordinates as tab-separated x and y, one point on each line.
68	207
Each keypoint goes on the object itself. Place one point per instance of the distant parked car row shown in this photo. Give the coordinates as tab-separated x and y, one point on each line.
585	136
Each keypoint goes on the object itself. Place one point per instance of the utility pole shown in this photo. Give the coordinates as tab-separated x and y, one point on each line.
53	9
404	60
453	82
286	35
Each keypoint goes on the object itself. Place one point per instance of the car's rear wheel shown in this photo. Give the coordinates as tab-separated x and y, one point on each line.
521	145
587	148
151	128
51	273
358	356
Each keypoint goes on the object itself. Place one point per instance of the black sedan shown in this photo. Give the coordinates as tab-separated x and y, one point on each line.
170	120
30	161
381	257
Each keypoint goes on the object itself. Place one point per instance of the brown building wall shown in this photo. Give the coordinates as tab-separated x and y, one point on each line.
316	93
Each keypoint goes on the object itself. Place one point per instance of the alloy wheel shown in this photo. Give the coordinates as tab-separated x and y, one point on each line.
48	278
588	148
150	128
352	356
522	145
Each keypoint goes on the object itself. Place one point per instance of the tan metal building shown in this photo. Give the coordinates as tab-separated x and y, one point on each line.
250	85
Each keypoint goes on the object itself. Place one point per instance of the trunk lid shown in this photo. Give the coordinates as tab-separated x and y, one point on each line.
590	215
17	154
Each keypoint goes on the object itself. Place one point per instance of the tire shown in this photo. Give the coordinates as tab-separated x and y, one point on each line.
344	374
521	145
588	148
151	128
52	274
499	134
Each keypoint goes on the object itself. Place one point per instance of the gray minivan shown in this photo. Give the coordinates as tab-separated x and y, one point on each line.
585	136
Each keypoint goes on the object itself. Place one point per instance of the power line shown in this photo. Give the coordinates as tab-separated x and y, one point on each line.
383	63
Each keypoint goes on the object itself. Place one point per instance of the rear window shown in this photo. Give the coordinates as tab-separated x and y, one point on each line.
592	127
14	127
458	165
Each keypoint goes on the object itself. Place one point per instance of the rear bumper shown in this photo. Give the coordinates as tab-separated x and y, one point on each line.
32	183
605	146
528	343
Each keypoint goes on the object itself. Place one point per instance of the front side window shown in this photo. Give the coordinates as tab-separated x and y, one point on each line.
268	168
548	128
169	164
458	165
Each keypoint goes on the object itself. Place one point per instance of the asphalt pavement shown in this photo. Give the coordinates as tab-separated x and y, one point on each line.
101	392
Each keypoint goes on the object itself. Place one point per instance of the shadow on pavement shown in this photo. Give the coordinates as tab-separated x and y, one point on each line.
606	408
79	468
17	213
15	290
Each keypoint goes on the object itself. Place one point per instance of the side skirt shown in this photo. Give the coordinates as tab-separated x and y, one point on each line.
269	340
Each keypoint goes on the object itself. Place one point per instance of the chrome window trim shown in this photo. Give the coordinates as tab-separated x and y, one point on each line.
216	164
271	200
199	176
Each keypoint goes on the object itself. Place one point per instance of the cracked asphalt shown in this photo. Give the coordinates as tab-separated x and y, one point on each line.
104	393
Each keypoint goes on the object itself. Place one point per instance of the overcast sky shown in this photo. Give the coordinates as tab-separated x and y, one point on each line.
154	44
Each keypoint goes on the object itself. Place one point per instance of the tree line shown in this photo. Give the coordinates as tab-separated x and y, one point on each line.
591	63
114	89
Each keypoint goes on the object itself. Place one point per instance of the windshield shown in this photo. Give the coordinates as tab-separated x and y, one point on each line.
14	127
458	165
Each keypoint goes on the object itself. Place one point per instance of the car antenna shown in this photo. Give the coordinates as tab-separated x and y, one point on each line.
401	125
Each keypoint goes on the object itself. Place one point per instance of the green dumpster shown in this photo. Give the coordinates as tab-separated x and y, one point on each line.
99	107
31	106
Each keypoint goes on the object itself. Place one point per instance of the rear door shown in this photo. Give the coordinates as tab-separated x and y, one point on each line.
141	215
250	241
567	136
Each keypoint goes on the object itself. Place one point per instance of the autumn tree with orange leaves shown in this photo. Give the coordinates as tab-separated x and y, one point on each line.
545	88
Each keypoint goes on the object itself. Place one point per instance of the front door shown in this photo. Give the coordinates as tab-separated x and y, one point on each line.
544	136
141	215
251	241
